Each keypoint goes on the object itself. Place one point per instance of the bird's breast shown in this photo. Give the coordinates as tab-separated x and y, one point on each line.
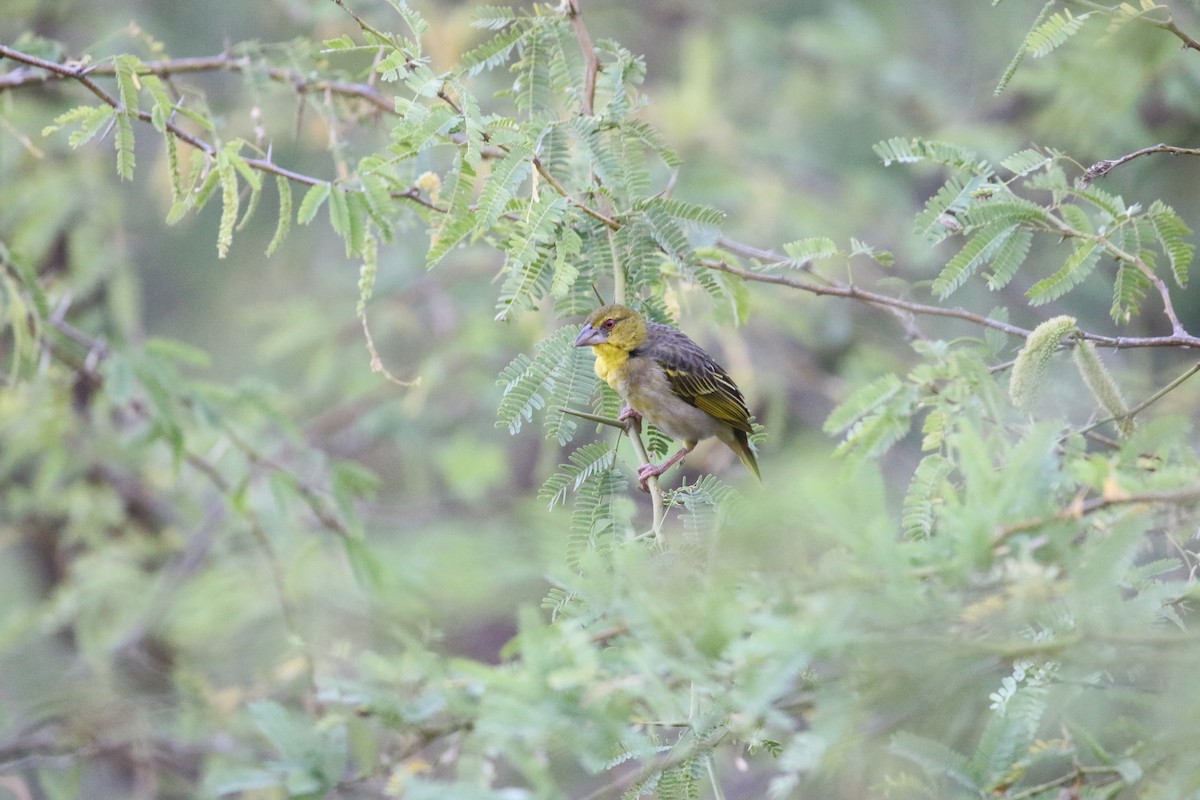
610	361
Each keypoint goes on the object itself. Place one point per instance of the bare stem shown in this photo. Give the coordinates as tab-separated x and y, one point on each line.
591	65
1102	168
851	292
1078	510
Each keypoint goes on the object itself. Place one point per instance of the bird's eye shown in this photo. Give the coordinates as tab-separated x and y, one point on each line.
608	324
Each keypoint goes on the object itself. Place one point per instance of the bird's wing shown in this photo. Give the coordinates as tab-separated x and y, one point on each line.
694	377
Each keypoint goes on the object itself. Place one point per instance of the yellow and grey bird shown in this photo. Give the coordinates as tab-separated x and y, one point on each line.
667	378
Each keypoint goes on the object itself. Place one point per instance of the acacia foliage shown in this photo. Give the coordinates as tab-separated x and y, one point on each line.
1019	628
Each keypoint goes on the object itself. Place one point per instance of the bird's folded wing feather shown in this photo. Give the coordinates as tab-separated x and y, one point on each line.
695	378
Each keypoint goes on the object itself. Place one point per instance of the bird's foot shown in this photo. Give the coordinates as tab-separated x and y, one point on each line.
648	471
628	413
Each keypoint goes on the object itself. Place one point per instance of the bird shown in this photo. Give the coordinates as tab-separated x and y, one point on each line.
664	376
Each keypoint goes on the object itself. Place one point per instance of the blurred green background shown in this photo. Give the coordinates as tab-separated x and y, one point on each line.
774	107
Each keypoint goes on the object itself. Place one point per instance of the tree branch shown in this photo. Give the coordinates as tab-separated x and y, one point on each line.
1166	25
591	65
1102	168
224	62
1079	509
633	427
852	292
80	74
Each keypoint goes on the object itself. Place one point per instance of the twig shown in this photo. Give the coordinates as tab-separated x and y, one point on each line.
1102	168
657	504
1078	510
80	74
852	292
1166	25
591	64
225	62
287	607
1142	406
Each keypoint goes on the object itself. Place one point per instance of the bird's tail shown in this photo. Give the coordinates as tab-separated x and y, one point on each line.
741	446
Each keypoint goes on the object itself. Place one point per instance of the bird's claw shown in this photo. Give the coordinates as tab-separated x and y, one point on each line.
646	472
628	413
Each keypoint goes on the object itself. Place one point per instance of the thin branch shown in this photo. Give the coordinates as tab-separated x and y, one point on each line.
225	62
1078	509
562	190
1102	168
1121	255
1166	25
1142	406
852	292
80	74
1170	26
633	427
591	64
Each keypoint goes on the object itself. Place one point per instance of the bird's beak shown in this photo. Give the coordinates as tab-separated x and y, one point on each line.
588	336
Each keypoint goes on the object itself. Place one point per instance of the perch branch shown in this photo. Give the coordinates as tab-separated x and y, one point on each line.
633	427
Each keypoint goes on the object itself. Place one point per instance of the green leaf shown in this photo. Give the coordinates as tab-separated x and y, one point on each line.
654	140
493	17
164	105
313	199
91	119
1129	288
897	150
421	128
339	217
496	50
227	176
415	22
938	221
1053	33
459	220
923	495
529	382
1025	161
683	211
1008	258
507	174
1019	56
128	83
668	235
1079	265
1171	231
934	758
979	249
124	143
284	187
863	401
805	250
585	461
1010	733
566	270
527	264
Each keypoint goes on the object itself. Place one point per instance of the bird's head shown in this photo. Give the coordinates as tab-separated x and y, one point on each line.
618	326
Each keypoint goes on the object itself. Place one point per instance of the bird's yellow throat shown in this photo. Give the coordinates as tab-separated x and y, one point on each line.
609	359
